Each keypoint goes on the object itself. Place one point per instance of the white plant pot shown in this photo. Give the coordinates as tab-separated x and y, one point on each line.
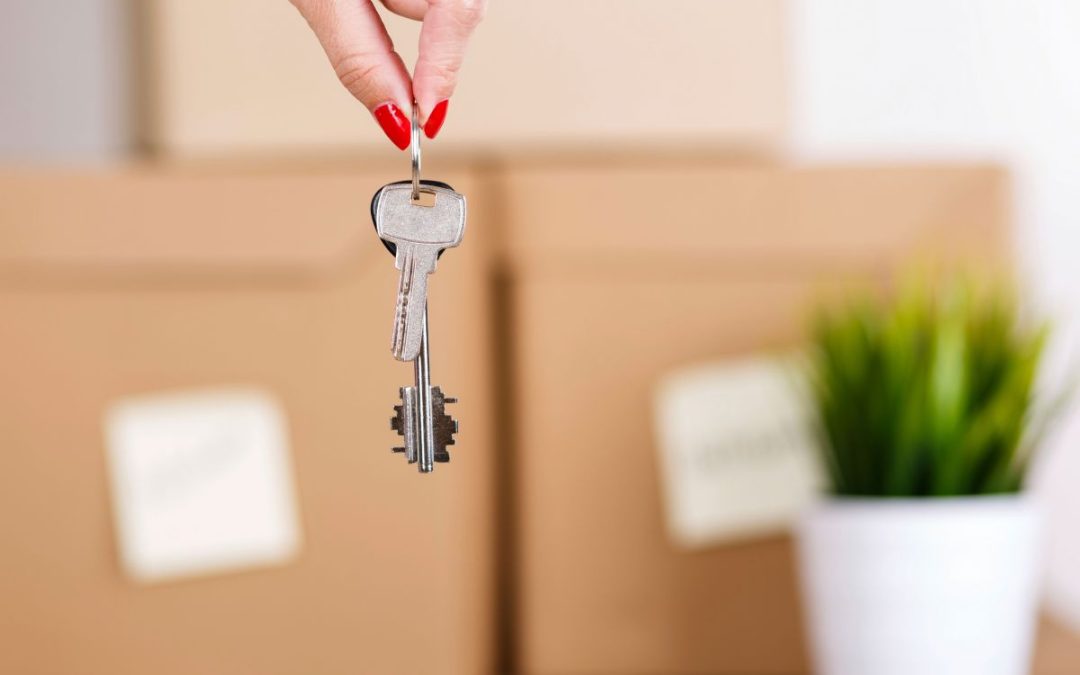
921	586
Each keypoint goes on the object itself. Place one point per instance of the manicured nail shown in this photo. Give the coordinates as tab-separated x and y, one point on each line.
394	123
436	118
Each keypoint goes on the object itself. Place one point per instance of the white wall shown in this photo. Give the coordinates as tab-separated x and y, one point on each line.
968	79
64	89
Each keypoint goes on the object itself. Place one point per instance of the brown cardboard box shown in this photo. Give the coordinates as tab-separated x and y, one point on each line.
248	76
148	279
659	267
143	280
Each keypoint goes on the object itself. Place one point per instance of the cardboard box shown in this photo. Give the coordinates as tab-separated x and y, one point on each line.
249	76
662	266
139	281
159	279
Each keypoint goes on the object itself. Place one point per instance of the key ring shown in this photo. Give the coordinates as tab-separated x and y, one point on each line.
415	145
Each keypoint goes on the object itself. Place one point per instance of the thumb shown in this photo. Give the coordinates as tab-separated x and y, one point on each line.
448	24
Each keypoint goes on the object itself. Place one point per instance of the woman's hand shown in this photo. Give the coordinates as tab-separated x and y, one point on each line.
360	50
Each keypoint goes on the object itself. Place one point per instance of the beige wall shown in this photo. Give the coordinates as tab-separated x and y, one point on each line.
247	76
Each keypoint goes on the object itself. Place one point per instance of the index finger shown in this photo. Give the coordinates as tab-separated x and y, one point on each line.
363	57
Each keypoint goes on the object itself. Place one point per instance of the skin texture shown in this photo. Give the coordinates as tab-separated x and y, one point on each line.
362	54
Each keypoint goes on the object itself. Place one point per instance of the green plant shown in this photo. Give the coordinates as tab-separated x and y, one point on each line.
928	394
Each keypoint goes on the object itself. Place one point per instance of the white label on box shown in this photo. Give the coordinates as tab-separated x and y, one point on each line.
201	483
737	453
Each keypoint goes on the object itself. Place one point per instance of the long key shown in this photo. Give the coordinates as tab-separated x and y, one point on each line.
420	230
425	441
425	426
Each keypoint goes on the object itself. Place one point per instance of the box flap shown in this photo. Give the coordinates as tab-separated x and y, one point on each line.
178	221
216	70
749	219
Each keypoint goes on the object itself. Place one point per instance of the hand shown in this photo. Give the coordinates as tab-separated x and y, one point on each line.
360	50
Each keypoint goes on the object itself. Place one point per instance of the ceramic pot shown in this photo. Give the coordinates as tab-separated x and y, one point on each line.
921	586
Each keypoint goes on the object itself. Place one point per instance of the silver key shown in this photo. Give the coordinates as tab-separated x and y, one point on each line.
420	229
421	419
417	221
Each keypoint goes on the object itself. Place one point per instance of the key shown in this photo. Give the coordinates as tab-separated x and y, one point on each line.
421	419
420	230
418	220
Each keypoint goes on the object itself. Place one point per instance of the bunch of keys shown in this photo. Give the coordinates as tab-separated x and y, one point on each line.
418	220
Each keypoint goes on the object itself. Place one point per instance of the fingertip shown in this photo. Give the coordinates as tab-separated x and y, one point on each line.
394	123
436	118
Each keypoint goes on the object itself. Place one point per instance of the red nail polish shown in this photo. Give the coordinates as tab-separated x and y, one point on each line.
394	124
436	118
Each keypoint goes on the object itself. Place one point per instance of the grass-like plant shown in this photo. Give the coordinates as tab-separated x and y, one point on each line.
930	393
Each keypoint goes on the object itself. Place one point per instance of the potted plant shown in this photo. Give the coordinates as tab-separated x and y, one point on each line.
924	557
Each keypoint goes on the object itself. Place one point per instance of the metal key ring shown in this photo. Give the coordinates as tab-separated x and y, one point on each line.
415	145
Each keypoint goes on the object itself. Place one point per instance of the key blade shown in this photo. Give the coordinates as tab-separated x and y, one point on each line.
408	330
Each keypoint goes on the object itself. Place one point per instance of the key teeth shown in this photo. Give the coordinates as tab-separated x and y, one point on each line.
400	423
444	425
397	422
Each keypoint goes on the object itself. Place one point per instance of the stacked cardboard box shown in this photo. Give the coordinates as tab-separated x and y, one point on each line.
248	76
599	277
147	280
659	267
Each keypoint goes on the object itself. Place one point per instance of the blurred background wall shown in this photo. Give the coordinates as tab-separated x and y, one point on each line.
66	73
659	91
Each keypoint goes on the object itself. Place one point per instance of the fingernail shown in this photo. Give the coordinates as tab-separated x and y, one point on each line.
394	123
436	118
